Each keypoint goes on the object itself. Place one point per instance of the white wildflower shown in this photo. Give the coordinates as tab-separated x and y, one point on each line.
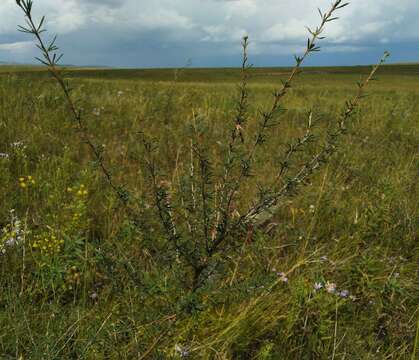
18	145
318	286
344	293
11	235
283	277
182	351
330	287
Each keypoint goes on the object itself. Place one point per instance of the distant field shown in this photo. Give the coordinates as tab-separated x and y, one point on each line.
211	75
335	275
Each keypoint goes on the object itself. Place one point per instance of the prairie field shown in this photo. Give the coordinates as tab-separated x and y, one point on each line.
333	274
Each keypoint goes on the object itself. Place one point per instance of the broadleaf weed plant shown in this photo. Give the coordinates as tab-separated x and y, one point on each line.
204	206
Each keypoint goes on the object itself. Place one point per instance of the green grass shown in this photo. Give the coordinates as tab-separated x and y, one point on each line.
109	291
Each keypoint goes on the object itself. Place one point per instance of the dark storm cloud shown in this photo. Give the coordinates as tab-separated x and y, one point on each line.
169	32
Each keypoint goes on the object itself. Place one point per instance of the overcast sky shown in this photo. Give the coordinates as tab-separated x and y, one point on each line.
167	33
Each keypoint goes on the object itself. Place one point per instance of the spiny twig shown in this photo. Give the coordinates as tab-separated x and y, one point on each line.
327	150
268	116
50	58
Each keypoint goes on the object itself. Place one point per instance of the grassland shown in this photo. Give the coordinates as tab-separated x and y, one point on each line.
335	277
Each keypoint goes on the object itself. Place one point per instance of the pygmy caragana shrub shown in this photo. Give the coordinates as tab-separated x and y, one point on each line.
211	207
